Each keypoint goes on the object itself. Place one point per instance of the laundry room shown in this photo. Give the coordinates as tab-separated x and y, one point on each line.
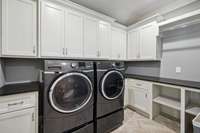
99	66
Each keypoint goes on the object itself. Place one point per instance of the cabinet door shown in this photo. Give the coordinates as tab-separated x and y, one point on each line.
133	45
123	46
52	30
74	36
139	98
116	43
90	37
18	122
19	28
148	41
104	40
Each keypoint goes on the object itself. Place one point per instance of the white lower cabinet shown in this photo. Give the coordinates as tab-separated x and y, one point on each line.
139	95
139	98
19	113
18	122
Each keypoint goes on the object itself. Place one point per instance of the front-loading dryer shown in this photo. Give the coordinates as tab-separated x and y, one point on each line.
109	95
67	97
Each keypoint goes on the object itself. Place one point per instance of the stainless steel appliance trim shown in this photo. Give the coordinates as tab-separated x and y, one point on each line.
103	82
59	79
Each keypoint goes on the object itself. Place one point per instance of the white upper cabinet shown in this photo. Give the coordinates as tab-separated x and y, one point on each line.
142	43
19	28
148	41
52	30
104	40
118	44
91	37
133	45
74	34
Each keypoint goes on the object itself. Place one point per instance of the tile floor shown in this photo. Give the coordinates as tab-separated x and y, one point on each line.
136	123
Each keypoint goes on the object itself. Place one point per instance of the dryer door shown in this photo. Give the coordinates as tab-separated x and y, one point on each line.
112	84
70	92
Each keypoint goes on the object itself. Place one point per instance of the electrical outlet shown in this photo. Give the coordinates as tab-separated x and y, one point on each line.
178	69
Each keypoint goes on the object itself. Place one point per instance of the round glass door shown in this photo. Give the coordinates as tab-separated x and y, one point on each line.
112	85
70	92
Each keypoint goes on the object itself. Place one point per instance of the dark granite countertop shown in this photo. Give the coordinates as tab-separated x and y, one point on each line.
19	88
176	82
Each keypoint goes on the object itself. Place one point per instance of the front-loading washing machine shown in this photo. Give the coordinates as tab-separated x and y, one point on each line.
109	95
67	97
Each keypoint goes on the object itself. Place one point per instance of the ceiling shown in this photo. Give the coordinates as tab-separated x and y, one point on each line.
126	12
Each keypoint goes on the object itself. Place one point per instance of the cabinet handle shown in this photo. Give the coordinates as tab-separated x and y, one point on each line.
138	84
119	56
34	49
17	103
98	54
33	116
66	51
63	51
138	55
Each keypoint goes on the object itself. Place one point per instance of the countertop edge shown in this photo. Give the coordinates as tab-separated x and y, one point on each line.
175	82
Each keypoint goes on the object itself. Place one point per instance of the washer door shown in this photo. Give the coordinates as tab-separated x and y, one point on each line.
70	92
112	84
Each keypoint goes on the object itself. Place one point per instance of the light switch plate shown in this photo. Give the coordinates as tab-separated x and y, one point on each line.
178	69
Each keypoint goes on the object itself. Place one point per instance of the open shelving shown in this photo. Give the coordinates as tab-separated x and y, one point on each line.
181	21
168	102
167	105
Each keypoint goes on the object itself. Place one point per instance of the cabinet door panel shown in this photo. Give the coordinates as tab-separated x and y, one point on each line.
116	43
90	37
18	122
52	30
133	45
19	28
123	45
104	40
74	34
148	41
138	98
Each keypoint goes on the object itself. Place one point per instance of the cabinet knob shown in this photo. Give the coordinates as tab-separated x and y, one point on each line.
66	51
63	51
98	53
34	50
119	56
33	116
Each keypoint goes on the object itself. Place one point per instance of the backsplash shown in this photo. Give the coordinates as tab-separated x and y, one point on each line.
180	48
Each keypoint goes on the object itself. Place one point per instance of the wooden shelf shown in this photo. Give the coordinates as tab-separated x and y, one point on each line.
193	110
168	102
